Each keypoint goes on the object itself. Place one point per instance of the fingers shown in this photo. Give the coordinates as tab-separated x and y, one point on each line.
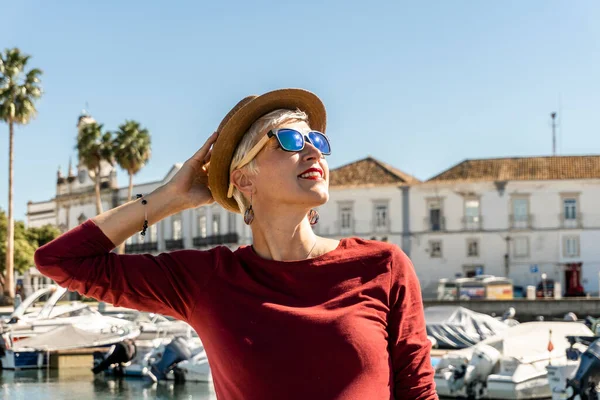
205	149
207	157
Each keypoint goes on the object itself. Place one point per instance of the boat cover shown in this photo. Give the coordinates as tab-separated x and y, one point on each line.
70	337
455	327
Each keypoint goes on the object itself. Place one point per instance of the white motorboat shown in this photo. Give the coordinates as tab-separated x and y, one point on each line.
28	320
511	365
196	369
579	377
156	326
149	354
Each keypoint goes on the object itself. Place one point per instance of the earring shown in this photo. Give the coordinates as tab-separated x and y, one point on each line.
249	214
313	217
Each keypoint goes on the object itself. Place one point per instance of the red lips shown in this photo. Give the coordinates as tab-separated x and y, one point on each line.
320	171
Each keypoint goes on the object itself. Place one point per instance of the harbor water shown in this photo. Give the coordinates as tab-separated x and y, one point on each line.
81	385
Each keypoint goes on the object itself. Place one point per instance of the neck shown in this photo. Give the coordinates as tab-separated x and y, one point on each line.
283	236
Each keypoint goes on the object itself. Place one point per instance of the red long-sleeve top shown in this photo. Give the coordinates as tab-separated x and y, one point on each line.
348	324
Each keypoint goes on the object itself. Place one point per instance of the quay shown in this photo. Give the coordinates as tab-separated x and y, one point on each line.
528	310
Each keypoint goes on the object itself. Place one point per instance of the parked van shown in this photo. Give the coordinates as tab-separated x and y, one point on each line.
482	287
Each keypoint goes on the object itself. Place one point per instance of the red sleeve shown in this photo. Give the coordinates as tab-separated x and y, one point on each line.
81	260
409	346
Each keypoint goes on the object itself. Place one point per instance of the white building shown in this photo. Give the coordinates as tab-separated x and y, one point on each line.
515	217
368	200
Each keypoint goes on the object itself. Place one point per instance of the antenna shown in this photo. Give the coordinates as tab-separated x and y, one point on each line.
553	115
560	123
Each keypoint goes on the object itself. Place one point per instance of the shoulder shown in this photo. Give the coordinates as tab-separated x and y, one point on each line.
192	256
373	248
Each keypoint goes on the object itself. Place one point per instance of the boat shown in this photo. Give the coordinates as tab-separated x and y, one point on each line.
155	359
579	377
510	365
195	369
455	327
28	320
33	352
155	326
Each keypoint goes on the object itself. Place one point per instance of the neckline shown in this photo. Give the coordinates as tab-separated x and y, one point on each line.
321	259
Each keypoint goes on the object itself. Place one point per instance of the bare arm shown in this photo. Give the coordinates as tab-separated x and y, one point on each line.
187	189
170	283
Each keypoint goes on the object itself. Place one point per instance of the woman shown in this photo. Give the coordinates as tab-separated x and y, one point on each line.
294	316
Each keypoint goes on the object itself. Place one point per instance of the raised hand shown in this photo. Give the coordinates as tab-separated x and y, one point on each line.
191	181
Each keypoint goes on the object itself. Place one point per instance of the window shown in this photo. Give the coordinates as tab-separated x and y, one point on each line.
435	215
520	217
202	225
521	247
231	219
472	215
81	219
153	233
346	218
381	216
176	227
472	248
216	224
571	246
435	248
570	209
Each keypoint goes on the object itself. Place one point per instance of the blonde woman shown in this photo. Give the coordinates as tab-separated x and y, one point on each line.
294	315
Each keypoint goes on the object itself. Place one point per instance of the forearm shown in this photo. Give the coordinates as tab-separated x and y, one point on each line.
120	223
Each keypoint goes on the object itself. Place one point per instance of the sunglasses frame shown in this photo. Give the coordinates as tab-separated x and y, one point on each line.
305	138
257	147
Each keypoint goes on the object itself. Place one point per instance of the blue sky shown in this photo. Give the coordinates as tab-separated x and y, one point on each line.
420	85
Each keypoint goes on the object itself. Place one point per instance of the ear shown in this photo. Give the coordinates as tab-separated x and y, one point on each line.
242	182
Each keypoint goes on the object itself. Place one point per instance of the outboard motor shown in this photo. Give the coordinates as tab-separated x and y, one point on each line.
587	376
119	354
175	352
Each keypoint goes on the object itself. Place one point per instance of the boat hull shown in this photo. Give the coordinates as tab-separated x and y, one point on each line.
17	360
504	387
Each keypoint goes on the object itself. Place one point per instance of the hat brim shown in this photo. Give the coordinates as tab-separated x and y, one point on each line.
233	130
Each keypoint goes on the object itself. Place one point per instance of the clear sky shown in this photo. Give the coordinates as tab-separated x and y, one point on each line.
420	85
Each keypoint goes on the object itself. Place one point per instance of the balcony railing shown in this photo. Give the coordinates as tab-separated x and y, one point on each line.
345	228
174	244
571	223
472	223
436	224
214	240
141	247
520	221
382	227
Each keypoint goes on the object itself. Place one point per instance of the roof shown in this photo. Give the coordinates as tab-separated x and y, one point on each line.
369	172
523	168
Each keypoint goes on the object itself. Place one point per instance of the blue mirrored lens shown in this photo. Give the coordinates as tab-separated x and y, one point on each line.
320	142
290	140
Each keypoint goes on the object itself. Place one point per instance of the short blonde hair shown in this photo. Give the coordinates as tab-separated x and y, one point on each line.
253	135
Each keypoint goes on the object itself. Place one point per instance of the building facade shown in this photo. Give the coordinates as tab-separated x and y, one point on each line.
515	217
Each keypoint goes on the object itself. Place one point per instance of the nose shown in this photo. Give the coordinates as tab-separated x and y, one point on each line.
310	152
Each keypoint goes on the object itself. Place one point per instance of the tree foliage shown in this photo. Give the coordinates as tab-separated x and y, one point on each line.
27	240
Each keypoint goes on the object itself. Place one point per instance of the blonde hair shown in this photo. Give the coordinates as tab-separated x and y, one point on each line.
252	136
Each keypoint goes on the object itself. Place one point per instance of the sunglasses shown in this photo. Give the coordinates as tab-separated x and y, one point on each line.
292	140
289	140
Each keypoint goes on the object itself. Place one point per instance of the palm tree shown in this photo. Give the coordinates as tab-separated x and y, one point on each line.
94	146
132	149
18	91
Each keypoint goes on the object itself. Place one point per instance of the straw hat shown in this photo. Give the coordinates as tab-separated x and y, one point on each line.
237	122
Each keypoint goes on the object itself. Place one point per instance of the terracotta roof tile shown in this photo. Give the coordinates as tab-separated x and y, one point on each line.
523	168
369	172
